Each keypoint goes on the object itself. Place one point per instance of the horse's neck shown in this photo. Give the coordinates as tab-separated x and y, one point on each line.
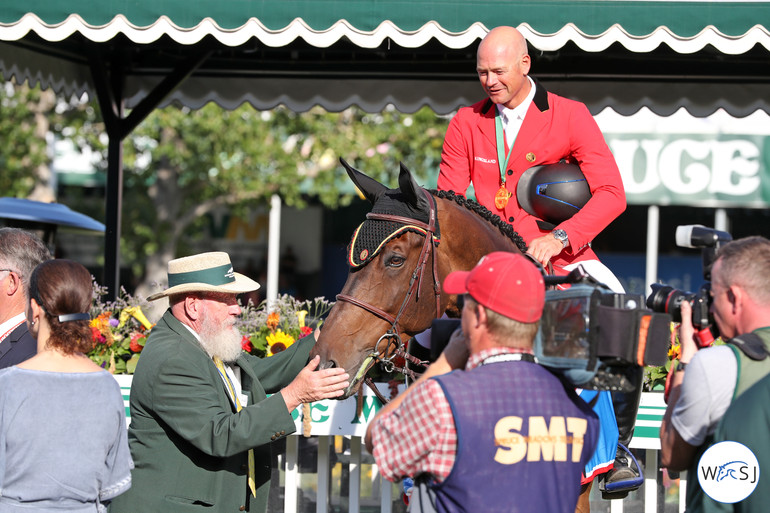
468	236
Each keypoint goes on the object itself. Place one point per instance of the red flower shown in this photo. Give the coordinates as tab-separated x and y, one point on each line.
305	330
246	344
137	342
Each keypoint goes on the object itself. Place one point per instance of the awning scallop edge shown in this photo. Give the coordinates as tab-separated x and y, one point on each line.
386	30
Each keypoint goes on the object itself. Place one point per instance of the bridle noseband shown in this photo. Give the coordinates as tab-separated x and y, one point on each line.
393	335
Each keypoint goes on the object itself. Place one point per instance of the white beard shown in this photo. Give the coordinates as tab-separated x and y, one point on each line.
222	341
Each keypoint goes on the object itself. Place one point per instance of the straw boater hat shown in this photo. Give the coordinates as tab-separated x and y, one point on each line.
206	272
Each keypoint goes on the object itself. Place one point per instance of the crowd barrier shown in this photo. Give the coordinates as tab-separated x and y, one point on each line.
331	421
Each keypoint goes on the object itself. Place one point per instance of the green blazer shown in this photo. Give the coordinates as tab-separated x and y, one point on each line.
188	443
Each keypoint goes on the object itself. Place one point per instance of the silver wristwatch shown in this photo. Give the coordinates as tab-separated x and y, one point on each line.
561	236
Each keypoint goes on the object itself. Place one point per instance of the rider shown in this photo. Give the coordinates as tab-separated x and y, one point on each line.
492	144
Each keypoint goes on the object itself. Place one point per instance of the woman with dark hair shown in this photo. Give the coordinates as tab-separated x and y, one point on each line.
63	441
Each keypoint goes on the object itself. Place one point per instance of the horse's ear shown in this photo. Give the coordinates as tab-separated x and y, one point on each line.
411	190
370	187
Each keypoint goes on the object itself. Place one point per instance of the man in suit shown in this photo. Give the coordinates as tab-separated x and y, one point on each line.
491	145
201	419
20	253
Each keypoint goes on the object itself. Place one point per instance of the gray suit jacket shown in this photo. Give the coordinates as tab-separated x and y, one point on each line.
188	443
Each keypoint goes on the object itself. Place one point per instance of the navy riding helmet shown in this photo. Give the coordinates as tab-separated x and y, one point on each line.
553	192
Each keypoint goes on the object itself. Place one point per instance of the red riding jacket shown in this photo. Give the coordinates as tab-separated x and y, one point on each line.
554	128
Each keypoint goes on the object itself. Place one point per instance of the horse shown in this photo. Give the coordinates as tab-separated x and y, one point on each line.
411	236
411	240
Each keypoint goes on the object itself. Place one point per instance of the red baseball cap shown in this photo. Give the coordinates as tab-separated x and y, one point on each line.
507	283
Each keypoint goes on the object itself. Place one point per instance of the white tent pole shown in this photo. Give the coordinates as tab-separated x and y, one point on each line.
273	250
721	221
653	228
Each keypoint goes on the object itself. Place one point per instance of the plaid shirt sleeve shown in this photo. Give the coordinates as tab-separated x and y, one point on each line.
417	437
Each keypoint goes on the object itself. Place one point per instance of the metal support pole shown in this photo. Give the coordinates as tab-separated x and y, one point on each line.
721	221
653	229
273	250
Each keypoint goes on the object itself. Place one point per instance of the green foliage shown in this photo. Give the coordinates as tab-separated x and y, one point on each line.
22	150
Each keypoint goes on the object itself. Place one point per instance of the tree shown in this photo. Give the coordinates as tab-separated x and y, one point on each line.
180	164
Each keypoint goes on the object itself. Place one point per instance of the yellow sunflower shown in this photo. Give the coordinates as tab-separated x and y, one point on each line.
278	341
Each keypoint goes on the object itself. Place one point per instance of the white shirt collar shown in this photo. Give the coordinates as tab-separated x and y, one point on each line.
518	112
12	323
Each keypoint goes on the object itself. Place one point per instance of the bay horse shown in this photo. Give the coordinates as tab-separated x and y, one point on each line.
411	240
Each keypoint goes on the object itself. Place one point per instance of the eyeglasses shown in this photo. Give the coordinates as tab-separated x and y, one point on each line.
10	271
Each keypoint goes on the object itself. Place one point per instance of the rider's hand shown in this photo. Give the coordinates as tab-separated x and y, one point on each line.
313	385
544	248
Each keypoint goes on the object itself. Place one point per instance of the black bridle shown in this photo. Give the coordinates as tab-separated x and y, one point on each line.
393	335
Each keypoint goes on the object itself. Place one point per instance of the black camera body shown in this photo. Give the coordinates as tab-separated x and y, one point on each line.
669	300
588	334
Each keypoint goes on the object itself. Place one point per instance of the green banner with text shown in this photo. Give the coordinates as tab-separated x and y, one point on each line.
700	170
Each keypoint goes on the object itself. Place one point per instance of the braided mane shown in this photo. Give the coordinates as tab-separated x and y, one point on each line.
480	210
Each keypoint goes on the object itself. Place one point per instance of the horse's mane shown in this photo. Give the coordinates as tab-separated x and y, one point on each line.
482	211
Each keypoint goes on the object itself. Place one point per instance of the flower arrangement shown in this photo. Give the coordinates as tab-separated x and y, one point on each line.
119	330
268	331
655	377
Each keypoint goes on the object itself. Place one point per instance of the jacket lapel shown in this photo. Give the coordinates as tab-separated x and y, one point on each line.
486	122
534	122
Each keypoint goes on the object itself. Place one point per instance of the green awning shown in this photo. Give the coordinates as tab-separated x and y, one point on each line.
732	27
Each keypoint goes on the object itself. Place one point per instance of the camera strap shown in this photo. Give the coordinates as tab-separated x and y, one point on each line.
751	345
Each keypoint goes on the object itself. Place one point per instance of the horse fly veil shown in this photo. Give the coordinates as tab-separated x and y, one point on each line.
372	235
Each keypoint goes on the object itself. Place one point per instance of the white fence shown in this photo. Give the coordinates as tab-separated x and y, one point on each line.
337	432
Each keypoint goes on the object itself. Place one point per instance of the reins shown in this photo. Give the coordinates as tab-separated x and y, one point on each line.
393	335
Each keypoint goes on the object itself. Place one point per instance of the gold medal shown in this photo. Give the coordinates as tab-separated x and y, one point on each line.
501	197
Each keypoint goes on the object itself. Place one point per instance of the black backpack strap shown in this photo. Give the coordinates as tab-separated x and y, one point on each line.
751	345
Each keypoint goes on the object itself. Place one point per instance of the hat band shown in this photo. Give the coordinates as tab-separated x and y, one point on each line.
220	275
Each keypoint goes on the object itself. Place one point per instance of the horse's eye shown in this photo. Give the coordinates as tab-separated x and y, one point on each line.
396	261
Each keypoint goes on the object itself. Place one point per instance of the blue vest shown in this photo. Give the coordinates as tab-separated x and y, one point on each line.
523	440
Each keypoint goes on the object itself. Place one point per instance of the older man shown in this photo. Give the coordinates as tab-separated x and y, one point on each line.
505	434
201	419
705	382
20	253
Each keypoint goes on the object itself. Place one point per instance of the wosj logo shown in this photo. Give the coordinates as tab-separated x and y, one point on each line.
728	472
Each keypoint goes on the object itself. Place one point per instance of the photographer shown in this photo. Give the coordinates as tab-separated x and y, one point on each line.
504	434
705	382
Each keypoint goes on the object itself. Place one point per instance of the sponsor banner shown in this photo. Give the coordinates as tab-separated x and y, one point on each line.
717	161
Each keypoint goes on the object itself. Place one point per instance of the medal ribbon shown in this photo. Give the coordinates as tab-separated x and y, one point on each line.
501	198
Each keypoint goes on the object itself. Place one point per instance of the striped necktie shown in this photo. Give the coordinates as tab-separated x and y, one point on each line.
231	389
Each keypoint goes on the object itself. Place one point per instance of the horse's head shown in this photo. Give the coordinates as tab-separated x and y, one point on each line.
391	288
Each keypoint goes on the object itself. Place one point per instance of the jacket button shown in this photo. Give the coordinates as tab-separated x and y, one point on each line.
510	219
510	172
272	437
242	508
283	432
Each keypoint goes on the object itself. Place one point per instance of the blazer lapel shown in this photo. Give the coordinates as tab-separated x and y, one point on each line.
486	122
534	122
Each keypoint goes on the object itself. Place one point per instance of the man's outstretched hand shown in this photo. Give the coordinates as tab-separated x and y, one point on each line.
313	385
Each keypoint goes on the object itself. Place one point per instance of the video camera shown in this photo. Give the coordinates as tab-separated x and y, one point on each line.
588	333
669	300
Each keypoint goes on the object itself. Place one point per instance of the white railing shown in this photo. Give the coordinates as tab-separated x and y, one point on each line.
334	424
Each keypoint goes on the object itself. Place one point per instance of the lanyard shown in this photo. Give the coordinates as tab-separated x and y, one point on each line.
500	136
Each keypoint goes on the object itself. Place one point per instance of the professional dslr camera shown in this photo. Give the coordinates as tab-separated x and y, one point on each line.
669	300
589	334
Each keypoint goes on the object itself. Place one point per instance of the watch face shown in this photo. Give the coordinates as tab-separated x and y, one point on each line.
560	234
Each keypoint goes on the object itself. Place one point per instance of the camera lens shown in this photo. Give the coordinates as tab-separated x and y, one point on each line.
668	300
